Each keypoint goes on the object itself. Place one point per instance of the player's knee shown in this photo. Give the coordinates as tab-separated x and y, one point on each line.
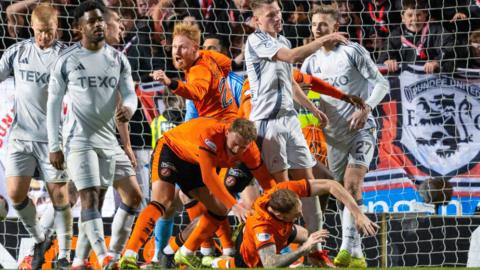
237	179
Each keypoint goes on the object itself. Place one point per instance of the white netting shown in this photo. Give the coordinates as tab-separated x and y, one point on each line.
428	124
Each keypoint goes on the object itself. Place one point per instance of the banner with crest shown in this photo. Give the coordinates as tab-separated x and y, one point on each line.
430	127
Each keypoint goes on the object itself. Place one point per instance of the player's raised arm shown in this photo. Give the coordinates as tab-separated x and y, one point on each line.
320	187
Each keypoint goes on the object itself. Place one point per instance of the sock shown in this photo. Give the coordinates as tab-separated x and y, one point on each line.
46	221
93	226
144	226
121	228
206	227
82	249
357	241
313	217
27	213
348	231
174	243
224	234
223	263
64	227
194	209
163	231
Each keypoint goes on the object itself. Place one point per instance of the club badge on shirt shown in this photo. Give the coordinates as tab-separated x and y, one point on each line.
262	237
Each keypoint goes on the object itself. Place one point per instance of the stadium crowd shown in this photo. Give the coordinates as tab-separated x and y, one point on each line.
162	86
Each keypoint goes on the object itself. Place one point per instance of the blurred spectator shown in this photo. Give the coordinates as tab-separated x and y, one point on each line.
419	41
350	21
219	44
378	18
474	14
297	25
474	45
453	14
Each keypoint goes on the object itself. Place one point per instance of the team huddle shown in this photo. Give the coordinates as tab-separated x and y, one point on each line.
212	162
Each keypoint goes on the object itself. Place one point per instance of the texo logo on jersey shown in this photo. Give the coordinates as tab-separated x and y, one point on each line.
34	76
338	81
98	81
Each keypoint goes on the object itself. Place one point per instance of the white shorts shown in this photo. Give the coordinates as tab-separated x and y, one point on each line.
91	167
357	149
123	165
283	145
23	157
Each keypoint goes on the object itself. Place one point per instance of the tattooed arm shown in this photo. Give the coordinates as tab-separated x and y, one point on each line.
270	258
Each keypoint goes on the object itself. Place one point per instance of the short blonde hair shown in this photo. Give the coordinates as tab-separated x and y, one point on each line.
45	13
191	31
245	128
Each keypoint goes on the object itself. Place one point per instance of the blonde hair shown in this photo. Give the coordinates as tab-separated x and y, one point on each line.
245	128
191	31
45	13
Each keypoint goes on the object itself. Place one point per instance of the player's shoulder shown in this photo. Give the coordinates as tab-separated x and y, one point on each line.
353	48
69	51
21	45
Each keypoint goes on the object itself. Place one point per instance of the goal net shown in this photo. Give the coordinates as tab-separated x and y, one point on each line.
423	187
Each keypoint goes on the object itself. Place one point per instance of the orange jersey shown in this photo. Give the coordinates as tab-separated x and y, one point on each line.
202	141
262	228
206	85
245	101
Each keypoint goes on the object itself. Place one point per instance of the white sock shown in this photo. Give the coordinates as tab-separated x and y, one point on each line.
185	251
168	250
64	226
228	252
349	231
121	228
82	250
130	253
93	225
206	251
46	220
313	215
27	213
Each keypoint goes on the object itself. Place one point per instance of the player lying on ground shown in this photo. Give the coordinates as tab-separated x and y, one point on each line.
193	149
271	227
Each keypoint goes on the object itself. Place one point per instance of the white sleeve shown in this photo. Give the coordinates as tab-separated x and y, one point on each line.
126	86
369	71
263	45
307	65
6	63
56	91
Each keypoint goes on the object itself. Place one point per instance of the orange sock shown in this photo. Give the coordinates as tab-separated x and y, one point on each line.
224	263
206	227
144	225
224	234
175	242
195	209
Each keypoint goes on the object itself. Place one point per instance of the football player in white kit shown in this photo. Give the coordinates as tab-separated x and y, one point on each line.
90	72
124	181
31	61
351	137
269	60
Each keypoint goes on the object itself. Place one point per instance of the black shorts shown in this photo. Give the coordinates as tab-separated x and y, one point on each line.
175	170
237	178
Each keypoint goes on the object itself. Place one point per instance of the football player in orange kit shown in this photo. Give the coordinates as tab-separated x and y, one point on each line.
189	155
271	227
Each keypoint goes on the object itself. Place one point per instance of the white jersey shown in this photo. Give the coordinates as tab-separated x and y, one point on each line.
31	68
90	79
270	80
349	68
